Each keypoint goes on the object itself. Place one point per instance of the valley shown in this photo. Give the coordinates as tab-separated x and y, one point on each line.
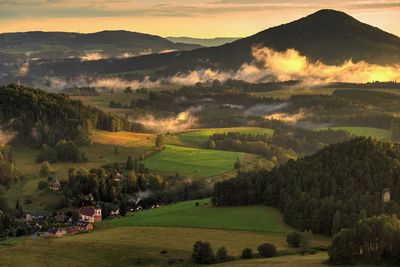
120	148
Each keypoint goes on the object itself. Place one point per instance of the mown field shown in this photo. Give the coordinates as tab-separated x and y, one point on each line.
132	246
364	131
192	161
187	214
199	137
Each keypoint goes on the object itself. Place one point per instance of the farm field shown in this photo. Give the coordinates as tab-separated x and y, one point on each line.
187	214
192	161
199	137
364	131
133	246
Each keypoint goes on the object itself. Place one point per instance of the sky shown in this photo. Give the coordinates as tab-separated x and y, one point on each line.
194	18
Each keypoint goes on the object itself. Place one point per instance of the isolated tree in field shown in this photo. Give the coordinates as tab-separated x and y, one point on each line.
222	254
203	253
44	169
247	253
267	250
294	239
129	164
160	140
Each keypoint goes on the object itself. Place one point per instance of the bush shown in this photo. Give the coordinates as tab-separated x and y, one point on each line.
44	169
247	253
294	239
203	253
42	185
222	254
267	250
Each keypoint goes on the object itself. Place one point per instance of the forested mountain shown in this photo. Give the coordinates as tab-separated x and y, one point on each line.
327	35
41	117
64	44
326	191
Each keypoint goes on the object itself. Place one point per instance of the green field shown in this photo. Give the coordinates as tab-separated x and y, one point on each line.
363	131
192	161
187	214
200	137
135	246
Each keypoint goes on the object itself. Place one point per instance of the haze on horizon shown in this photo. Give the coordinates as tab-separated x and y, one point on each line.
194	18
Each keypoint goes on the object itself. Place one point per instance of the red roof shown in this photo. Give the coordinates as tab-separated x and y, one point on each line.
88	211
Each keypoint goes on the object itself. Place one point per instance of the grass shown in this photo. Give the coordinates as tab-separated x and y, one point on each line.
200	137
364	131
132	246
187	214
192	161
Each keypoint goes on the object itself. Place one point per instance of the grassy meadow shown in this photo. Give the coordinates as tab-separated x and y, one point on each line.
364	131
133	246
192	161
199	137
187	214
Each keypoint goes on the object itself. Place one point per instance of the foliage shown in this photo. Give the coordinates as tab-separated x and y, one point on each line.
294	239
44	169
378	236
324	192
203	253
247	253
267	250
222	254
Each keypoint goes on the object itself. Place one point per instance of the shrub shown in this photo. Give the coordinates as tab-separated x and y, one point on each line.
267	250
247	253
42	185
222	254
203	253
294	239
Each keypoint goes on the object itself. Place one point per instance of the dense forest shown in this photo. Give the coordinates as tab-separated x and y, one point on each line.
40	117
377	237
324	192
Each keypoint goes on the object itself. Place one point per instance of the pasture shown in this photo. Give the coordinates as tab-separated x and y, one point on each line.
205	215
133	246
200	136
192	161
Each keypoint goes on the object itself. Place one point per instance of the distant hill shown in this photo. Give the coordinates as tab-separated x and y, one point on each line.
327	35
64	44
207	42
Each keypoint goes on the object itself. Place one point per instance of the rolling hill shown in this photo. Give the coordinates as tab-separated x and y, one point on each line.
52	45
327	35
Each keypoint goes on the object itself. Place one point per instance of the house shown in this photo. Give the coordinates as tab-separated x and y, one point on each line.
84	226
56	186
73	230
55	232
90	214
37	215
386	195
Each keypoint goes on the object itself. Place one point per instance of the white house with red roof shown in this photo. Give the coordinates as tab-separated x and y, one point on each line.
90	214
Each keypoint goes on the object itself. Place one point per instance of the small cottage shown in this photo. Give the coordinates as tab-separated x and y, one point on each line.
55	232
90	214
56	186
36	215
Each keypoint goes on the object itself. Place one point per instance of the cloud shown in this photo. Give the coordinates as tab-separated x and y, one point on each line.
183	121
286	117
90	56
